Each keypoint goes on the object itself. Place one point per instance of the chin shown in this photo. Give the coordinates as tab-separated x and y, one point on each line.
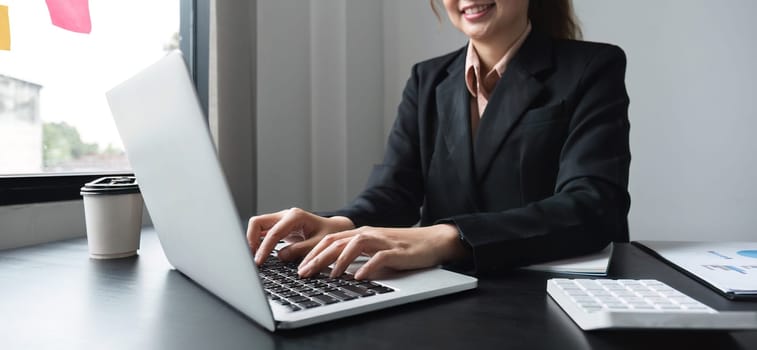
477	34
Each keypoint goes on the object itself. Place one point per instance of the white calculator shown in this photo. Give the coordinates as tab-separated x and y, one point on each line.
639	304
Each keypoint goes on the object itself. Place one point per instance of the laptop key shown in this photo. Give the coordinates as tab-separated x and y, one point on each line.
368	284
308	304
278	289
288	294
311	292
325	299
382	290
320	285
297	299
376	287
359	291
341	295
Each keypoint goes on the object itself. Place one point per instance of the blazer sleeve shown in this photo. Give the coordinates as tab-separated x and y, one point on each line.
590	204
393	194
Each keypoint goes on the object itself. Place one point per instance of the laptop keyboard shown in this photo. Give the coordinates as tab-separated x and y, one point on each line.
283	285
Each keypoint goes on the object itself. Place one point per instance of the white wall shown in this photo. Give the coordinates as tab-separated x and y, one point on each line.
690	77
283	114
347	89
320	101
692	80
232	96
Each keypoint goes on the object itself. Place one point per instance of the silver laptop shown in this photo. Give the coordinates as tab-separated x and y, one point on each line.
171	152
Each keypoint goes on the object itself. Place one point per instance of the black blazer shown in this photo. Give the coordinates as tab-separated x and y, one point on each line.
546	176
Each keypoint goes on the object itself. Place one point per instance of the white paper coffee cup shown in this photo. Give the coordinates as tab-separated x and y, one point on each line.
113	215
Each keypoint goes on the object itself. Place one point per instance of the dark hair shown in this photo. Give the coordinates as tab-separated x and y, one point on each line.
552	17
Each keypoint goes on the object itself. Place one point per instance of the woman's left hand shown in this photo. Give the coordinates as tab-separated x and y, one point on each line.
394	248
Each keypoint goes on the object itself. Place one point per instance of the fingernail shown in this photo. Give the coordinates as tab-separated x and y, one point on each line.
304	270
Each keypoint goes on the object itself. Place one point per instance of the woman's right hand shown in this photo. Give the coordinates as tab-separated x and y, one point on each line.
296	226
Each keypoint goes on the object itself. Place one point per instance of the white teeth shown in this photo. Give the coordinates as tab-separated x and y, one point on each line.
476	9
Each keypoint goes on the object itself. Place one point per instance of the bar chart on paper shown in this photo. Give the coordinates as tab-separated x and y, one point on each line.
730	267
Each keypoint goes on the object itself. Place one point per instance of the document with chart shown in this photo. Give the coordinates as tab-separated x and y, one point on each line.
729	267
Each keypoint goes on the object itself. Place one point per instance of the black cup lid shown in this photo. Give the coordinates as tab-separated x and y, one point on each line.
111	185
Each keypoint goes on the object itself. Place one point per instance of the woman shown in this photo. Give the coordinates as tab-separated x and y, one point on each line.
510	151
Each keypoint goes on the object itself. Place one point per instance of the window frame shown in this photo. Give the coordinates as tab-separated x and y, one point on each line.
194	30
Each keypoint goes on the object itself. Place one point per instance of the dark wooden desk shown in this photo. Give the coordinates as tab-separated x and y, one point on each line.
54	296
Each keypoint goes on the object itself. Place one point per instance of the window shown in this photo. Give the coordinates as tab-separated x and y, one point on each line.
56	131
53	114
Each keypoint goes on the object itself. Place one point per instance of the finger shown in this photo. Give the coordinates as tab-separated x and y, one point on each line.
288	222
383	259
324	243
362	243
298	249
256	245
324	259
295	236
254	231
258	226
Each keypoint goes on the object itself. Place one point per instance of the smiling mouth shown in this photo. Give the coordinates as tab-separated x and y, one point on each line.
476	9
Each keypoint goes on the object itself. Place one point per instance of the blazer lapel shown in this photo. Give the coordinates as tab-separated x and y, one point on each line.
453	108
513	94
